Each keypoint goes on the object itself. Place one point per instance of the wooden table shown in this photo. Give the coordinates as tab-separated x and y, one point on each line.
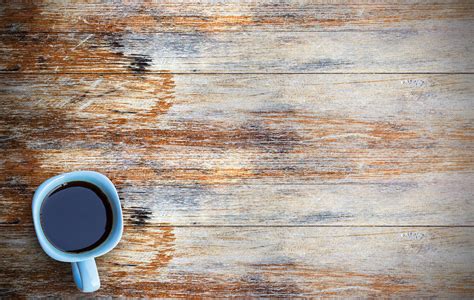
287	148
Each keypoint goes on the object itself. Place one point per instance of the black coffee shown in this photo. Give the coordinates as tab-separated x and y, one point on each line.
76	217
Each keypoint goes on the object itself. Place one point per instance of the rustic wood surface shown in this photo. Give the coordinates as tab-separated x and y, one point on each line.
278	262
338	161
446	50
200	149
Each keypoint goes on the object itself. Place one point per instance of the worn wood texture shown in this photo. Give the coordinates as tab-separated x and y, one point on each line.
218	16
276	182
246	262
447	50
200	149
287	36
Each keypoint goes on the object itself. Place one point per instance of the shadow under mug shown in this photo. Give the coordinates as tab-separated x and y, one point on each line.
84	269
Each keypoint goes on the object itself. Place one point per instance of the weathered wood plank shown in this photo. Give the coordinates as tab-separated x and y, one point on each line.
429	200
257	151
211	16
278	262
248	149
450	49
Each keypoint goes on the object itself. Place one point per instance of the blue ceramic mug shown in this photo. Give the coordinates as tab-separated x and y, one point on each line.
84	269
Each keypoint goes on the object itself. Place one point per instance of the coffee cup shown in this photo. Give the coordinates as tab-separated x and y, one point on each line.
68	216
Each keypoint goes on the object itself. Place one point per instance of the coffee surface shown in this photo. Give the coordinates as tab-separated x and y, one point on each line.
76	217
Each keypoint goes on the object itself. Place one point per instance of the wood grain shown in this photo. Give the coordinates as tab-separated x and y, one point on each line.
235	37
251	262
248	149
215	16
447	50
275	149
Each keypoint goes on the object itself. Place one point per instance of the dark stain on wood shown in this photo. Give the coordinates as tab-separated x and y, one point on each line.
323	216
139	216
140	62
320	64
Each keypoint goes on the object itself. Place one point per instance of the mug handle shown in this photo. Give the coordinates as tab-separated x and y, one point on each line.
85	275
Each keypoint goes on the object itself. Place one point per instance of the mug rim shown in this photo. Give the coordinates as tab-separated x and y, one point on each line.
103	183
